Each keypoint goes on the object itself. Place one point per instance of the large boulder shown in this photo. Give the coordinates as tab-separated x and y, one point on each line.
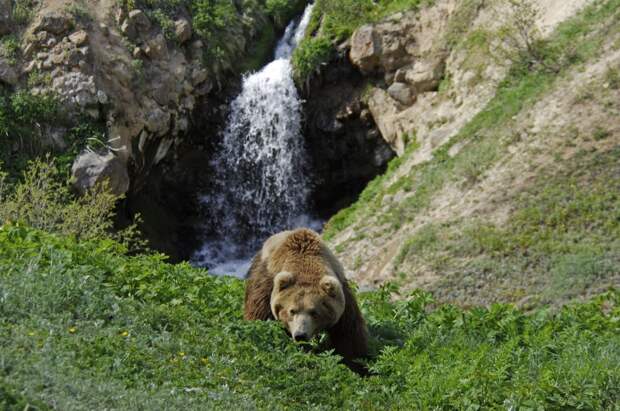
5	17
90	169
8	74
401	93
385	111
365	49
139	20
53	22
424	75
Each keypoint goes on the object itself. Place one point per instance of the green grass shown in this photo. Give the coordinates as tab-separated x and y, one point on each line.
580	38
83	326
559	242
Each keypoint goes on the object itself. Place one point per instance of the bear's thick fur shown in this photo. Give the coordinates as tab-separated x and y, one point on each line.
296	280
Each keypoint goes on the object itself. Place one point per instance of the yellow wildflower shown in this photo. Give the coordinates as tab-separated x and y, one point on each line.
72	330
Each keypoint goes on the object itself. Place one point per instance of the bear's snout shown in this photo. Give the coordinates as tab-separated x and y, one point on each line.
300	337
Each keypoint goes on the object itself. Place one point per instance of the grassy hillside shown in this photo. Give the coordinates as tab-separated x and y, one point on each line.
521	204
82	326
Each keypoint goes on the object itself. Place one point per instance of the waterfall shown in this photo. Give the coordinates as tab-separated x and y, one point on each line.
261	173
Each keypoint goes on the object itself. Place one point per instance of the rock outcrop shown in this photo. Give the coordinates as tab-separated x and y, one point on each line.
91	168
346	148
403	54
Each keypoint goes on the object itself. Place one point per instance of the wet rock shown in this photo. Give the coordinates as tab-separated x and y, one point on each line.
90	169
129	30
157	48
5	17
198	76
139	20
157	121
53	22
8	74
182	30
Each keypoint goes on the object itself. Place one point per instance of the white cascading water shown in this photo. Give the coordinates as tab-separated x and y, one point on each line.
261	181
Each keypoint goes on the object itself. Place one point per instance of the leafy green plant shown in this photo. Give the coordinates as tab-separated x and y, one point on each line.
83	325
43	199
9	48
309	56
23	11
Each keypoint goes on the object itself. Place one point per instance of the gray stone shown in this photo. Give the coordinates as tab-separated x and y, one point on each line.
182	30
129	30
90	169
425	75
102	97
401	93
8	74
365	49
53	22
198	76
140	21
157	121
157	48
5	17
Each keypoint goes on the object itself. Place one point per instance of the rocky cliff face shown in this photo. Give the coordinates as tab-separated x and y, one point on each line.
346	148
104	64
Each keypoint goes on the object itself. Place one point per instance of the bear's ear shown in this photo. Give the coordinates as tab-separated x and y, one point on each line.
331	286
283	280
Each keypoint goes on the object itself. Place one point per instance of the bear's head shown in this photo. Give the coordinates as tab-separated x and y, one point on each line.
306	308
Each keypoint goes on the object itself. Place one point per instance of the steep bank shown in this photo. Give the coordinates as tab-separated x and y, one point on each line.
491	139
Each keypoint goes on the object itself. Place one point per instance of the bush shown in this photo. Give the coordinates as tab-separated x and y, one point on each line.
84	327
310	54
43	199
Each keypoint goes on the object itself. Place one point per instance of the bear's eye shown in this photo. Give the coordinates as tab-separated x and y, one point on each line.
292	311
313	313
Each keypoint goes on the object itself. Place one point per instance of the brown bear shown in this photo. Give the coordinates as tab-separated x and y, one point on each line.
296	280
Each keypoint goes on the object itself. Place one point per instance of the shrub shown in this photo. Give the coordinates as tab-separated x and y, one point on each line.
310	54
43	199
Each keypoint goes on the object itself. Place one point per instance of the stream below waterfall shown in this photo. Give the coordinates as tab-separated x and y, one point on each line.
261	179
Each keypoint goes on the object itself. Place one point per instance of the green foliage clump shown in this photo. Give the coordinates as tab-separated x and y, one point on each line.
23	11
84	326
282	11
26	118
9	48
42	198
309	56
